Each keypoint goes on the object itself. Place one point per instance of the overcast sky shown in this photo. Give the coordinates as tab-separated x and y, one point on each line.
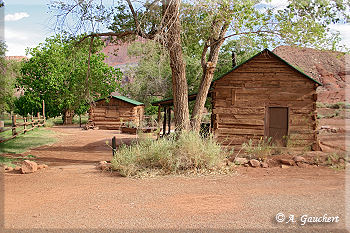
28	22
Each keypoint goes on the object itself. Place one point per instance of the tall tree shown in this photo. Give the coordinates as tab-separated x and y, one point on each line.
9	70
66	76
303	23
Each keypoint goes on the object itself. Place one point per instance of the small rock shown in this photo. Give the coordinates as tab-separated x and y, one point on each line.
254	163
40	166
17	168
287	162
264	165
341	160
102	162
29	166
103	166
285	166
9	169
45	166
334	130
240	161
326	127
302	165
246	165
299	159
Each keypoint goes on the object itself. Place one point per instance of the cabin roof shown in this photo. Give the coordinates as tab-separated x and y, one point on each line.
125	99
278	57
169	101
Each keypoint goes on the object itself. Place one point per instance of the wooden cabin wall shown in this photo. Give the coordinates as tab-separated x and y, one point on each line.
242	97
111	115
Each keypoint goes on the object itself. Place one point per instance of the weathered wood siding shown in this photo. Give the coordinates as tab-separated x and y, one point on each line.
242	97
111	115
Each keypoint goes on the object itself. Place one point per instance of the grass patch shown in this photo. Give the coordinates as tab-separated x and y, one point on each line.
14	161
339	105
6	161
37	137
187	153
258	149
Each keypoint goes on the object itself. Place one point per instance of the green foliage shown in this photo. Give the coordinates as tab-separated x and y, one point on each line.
57	73
185	153
9	70
6	161
151	110
334	161
152	76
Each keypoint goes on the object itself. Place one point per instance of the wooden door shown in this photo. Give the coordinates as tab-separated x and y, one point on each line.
278	125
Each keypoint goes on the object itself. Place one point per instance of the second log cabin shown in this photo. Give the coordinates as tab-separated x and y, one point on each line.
264	97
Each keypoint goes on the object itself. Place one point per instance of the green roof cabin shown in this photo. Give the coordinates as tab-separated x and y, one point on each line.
111	112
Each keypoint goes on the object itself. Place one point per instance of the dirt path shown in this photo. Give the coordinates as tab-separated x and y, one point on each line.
77	146
72	194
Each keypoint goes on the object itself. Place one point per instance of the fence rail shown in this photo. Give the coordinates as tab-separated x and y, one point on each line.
29	123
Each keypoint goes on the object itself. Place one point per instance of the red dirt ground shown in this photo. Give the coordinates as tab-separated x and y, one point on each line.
72	194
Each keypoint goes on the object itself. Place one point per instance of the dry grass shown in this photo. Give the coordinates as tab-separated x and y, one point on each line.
175	154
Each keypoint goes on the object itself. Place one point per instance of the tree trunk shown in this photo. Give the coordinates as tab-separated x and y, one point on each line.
207	77
177	64
68	117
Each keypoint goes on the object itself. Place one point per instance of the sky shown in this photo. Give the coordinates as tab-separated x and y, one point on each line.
28	23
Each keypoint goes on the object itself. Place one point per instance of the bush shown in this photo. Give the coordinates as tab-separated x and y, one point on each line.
175	154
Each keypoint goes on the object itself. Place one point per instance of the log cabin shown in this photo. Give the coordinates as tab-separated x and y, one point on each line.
111	112
265	97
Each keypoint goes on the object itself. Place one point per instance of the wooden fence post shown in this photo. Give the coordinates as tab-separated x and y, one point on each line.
114	145
25	125
14	133
33	124
44	112
38	119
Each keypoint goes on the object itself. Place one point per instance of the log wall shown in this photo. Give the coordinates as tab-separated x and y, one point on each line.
110	115
241	99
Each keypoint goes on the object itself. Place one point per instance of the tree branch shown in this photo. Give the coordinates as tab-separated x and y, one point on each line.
88	71
204	54
244	33
119	35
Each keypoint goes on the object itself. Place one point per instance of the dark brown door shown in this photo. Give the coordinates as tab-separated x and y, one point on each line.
278	125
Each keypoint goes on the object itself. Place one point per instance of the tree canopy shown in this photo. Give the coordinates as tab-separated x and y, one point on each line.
62	72
199	29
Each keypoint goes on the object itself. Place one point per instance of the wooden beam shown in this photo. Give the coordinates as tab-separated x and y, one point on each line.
164	121
169	119
159	114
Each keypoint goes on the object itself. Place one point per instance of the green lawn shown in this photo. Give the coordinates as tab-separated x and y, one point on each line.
24	142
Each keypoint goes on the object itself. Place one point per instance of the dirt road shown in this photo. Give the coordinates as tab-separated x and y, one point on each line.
72	194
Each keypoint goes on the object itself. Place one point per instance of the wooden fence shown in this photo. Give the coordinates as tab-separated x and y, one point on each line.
29	123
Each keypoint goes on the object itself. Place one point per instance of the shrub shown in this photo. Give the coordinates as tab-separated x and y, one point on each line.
175	154
260	148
